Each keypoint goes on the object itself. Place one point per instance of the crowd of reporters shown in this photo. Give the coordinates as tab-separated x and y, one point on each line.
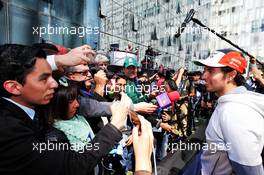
87	108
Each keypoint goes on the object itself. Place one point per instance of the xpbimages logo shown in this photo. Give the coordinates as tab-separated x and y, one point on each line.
60	30
54	146
212	147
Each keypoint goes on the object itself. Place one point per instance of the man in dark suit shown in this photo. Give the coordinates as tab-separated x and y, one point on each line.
25	83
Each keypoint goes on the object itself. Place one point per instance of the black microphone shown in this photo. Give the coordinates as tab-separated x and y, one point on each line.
184	24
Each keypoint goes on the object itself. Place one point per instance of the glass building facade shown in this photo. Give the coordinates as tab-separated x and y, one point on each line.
69	23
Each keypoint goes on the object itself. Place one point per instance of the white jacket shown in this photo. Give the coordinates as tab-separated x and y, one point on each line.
238	124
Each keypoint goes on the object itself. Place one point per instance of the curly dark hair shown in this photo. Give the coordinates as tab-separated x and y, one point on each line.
239	79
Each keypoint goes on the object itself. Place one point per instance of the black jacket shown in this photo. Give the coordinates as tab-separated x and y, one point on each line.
53	134
20	138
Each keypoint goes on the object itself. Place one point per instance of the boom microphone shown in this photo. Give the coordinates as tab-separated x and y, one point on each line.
189	18
184	24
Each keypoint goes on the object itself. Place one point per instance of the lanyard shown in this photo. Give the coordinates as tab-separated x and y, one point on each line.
87	93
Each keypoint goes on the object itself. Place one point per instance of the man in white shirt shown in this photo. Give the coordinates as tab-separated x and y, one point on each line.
235	133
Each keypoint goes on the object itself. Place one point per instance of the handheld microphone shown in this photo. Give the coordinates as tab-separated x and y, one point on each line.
174	96
184	24
166	99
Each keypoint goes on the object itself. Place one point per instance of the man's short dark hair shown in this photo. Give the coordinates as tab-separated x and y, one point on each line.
48	48
16	62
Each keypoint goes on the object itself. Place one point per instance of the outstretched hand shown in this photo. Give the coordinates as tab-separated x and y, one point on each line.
143	144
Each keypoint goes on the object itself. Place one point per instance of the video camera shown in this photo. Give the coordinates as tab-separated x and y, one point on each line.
94	69
200	87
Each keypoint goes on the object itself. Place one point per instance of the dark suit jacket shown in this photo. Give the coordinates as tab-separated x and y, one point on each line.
18	155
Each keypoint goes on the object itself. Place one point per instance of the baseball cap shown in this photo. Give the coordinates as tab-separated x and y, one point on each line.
223	58
129	61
